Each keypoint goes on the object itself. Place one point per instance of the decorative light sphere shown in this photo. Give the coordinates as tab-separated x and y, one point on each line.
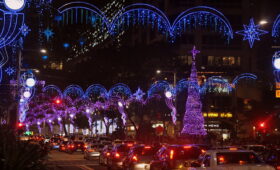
168	94
59	119
276	63
120	104
14	5
38	123
21	100
27	94
88	110
50	120
71	115
30	82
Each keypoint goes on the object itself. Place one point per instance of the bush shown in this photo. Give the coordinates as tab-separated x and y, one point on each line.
19	155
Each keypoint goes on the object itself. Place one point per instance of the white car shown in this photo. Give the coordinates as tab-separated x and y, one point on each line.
229	159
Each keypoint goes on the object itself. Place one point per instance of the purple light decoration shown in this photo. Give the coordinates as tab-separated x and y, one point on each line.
251	32
121	110
170	105
193	119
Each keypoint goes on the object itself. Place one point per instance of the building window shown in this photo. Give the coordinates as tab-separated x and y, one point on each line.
211	60
228	61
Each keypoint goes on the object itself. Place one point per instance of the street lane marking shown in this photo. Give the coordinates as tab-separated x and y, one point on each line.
84	167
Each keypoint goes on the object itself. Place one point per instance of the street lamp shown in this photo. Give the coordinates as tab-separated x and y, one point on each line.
43	51
263	22
158	71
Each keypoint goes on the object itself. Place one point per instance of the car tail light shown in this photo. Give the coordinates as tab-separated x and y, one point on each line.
171	154
108	154
85	146
62	145
233	149
72	146
91	150
134	158
147	147
187	147
278	168
130	145
79	145
203	151
117	155
221	159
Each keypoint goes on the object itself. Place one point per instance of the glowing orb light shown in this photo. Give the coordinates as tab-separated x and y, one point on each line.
27	94
276	63
14	5
120	104
168	94
30	82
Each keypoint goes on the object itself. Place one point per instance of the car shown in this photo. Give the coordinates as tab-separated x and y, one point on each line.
55	143
93	152
62	146
232	158
273	158
175	157
118	155
139	157
70	147
105	154
80	146
259	149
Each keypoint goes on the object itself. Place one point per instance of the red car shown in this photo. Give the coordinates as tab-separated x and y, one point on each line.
118	155
139	157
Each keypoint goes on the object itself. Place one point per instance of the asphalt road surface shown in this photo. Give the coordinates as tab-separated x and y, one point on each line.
64	161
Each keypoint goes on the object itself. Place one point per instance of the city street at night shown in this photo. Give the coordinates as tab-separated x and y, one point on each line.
139	85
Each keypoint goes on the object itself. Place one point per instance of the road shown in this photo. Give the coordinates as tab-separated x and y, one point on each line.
64	161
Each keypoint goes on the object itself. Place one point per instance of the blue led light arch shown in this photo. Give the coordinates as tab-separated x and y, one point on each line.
276	28
158	88
96	90
246	76
140	14
202	16
53	89
73	91
216	84
82	13
119	90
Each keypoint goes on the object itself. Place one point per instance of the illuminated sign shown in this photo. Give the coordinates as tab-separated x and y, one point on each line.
218	115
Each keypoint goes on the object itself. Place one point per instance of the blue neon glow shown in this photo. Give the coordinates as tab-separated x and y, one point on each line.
120	90
276	27
245	76
45	57
53	89
96	90
141	14
158	88
10	71
73	91
216	84
48	33
251	32
25	30
66	45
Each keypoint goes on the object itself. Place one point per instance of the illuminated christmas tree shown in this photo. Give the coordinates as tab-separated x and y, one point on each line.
193	119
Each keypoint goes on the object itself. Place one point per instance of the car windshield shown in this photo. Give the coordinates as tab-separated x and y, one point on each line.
257	148
145	151
122	148
186	153
237	158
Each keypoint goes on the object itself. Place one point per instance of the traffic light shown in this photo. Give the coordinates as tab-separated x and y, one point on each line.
262	125
20	125
57	101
